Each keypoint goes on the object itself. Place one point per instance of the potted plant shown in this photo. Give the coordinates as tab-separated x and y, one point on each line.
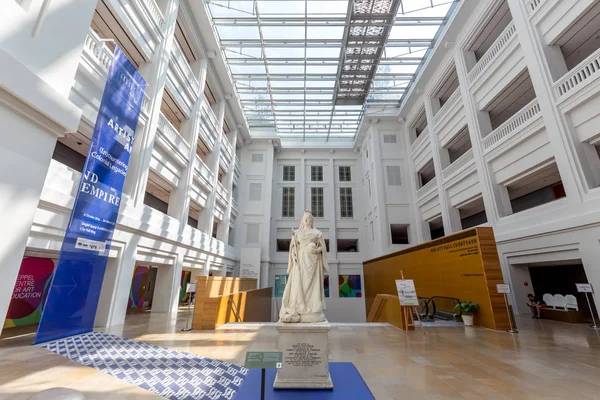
466	309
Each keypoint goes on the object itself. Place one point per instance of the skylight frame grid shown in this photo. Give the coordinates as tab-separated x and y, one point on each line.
273	97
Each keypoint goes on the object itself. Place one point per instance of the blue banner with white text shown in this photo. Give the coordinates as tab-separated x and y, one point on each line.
73	296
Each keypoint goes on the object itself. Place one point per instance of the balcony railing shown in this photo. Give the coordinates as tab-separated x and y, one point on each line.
172	135
98	50
155	12
221	193
585	72
493	52
448	105
185	68
513	124
209	125
234	206
226	147
424	136
428	187
458	164
203	174
237	165
533	5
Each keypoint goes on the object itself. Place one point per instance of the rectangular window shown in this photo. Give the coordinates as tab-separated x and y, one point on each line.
389	138
289	173
399	233
316	173
288	202
215	229
346	208
252	233
316	199
393	175
255	191
345	175
258	157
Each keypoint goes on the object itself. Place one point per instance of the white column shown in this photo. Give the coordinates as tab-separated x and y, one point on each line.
568	152
179	200
450	215
25	156
378	191
155	74
166	289
495	197
205	223
330	192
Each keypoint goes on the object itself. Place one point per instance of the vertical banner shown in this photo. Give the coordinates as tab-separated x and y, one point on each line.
73	296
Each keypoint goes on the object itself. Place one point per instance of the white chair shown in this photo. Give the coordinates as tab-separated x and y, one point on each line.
548	299
560	302
571	302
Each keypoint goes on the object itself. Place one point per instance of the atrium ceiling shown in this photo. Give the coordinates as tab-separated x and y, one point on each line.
310	68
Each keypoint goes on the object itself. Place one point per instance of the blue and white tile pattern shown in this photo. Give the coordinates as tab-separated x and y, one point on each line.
169	373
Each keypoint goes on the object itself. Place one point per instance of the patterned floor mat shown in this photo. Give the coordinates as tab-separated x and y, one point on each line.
169	373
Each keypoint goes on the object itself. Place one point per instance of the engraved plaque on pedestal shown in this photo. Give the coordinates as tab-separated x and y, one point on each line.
305	356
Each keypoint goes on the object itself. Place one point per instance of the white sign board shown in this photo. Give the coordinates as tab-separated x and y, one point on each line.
250	264
584	287
407	292
191	288
503	288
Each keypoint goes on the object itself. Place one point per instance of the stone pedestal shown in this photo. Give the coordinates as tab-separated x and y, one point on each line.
305	351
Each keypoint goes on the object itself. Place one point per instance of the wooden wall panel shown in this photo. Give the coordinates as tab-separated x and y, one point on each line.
464	265
225	299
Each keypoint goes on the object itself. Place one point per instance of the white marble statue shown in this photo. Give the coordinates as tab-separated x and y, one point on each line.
304	297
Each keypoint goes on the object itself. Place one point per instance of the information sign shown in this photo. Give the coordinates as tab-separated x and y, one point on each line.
503	288
407	292
263	359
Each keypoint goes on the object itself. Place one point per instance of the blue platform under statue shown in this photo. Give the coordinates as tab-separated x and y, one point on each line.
347	384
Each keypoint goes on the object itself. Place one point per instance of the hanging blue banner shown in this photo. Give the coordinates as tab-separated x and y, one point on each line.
73	296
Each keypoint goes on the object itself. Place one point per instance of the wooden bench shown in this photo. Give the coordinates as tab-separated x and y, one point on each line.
570	316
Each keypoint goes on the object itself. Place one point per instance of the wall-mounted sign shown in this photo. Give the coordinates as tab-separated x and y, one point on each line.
584	287
503	288
407	292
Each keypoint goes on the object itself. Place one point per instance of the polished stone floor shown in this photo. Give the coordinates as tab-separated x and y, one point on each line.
546	360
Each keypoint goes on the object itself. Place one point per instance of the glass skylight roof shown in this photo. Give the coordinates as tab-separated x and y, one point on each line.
285	55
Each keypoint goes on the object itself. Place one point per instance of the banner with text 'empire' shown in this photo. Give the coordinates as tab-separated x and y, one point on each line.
73	296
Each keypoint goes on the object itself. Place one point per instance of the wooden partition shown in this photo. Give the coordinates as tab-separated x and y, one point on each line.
220	300
464	265
386	308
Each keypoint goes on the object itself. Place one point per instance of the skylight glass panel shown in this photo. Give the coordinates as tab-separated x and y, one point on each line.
285	56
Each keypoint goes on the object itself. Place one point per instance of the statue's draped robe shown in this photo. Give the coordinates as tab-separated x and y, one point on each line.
304	292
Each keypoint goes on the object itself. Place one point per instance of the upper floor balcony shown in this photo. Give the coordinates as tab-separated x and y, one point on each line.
226	157
222	195
427	188
181	80
513	126
584	74
168	136
237	170
208	125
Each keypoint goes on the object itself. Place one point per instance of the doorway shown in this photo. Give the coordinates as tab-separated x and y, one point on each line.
141	293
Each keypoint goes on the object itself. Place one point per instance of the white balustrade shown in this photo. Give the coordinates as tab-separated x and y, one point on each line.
533	5
95	47
203	173
146	104
234	206
493	52
183	64
513	124
425	189
448	105
585	71
209	124
226	146
237	166
423	137
222	192
155	12
458	164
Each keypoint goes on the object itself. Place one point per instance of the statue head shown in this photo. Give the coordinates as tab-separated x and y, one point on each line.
307	222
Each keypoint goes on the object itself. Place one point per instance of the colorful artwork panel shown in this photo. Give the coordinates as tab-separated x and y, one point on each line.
186	277
138	287
350	286
279	287
29	294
